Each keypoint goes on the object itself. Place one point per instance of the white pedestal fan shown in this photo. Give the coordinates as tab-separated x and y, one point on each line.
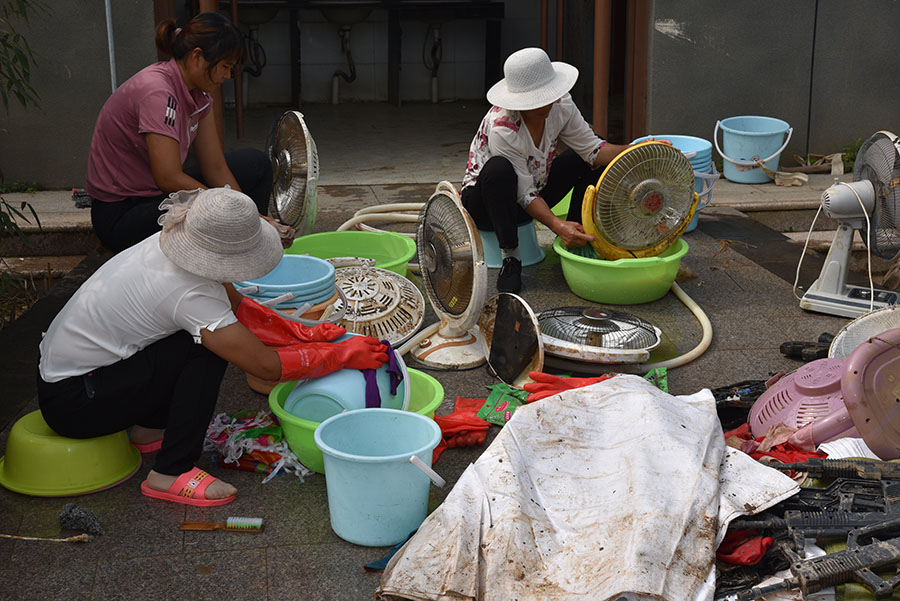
870	204
451	263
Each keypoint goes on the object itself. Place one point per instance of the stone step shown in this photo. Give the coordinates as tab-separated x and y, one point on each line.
50	241
41	269
63	228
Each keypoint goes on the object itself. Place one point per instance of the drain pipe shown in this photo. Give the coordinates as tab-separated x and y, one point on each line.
112	45
436	53
344	33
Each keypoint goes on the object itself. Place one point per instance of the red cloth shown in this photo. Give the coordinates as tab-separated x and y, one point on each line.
743	547
785	452
462	428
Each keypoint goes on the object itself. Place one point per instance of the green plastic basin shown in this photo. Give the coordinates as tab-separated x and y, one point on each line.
391	251
425	396
40	462
621	282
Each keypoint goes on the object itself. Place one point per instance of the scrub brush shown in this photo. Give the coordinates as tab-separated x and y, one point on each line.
232	524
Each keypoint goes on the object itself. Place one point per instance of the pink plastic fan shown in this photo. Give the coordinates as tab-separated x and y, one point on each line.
870	385
807	395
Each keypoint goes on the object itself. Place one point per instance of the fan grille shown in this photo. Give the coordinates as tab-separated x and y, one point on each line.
598	327
862	328
446	256
295	172
380	303
644	196
877	161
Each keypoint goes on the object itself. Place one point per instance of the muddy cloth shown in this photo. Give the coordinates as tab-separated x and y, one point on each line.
614	490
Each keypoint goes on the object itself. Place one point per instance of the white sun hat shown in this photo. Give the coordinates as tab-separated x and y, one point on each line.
531	81
218	234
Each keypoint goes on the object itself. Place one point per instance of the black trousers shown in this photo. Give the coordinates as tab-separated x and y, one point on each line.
492	204
171	384
126	222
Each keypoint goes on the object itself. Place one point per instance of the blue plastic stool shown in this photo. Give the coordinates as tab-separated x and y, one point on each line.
529	249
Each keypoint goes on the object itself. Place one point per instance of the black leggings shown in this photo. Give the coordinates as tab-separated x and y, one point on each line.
172	384
492	200
126	222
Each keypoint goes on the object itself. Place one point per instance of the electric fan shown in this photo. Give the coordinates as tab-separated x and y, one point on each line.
597	335
451	263
870	399
295	173
642	203
870	204
862	328
812	392
380	303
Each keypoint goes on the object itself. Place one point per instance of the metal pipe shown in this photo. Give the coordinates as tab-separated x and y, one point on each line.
238	83
112	45
602	11
544	24
559	30
207	6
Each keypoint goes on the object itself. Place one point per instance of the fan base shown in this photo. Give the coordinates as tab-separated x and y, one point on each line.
853	302
444	352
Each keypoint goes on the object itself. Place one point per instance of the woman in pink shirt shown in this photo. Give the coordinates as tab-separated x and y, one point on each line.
147	126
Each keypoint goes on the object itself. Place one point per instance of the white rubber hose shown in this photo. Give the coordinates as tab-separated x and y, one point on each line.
387	213
393	217
705	341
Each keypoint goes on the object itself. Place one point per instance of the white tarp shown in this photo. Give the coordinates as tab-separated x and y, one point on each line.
612	490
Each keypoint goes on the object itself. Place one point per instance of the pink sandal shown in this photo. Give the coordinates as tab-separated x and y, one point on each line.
189	489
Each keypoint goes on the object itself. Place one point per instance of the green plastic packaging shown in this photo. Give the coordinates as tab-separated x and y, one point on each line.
501	403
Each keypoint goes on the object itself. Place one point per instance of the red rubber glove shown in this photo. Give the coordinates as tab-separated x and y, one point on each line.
274	330
545	385
317	359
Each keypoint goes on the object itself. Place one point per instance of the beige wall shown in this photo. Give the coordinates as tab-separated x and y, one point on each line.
72	76
826	67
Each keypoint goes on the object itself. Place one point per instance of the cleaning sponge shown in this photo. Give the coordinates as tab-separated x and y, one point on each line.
73	517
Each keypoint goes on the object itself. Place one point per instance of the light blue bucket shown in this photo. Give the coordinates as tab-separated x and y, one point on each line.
699	153
747	140
378	473
695	149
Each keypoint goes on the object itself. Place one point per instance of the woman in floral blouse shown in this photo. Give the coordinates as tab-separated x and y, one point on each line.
532	147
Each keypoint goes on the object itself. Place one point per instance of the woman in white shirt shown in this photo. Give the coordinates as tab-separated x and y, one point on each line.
145	341
532	147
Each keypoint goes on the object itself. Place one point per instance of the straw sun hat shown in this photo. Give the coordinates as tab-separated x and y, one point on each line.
218	234
531	81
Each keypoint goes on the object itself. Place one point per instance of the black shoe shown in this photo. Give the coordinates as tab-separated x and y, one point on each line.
510	278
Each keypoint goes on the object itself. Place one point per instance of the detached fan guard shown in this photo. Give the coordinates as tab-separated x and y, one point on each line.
379	303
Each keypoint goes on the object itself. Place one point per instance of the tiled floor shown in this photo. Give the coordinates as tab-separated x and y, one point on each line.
397	155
